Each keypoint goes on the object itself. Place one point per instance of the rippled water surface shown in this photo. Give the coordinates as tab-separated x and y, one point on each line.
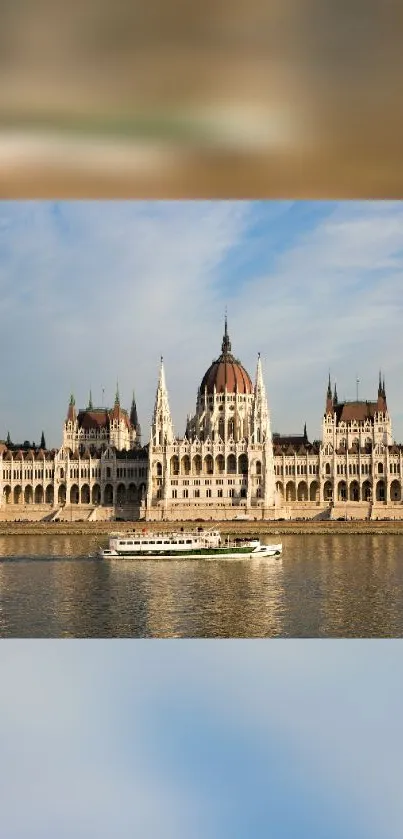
324	586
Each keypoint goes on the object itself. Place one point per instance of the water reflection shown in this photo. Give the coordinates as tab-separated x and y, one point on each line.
324	586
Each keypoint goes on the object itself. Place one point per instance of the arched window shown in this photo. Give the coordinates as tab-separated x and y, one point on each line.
327	469
380	468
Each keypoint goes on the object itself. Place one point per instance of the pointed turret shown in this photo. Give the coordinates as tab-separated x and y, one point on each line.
381	402
116	413
259	383
90	405
261	434
226	343
260	414
71	412
134	422
305	434
329	398
162	427
133	412
335	397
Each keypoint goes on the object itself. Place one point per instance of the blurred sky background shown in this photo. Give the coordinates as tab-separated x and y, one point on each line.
201	740
295	98
95	292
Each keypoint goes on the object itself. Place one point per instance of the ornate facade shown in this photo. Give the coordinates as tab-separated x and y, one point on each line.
225	460
228	464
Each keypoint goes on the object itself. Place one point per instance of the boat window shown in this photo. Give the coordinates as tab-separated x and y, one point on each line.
181	541
122	543
151	543
145	543
188	541
136	543
159	543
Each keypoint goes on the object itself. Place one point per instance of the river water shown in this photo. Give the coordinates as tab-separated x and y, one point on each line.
324	586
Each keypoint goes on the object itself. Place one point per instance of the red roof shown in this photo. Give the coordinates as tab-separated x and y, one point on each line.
226	374
98	418
359	411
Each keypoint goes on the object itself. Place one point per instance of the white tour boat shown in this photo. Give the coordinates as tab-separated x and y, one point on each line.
185	545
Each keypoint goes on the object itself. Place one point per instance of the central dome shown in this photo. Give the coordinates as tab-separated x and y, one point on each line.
226	373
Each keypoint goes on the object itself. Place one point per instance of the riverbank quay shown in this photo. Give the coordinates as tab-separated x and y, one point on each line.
246	528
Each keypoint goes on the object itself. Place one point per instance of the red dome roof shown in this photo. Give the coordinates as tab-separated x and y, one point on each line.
226	373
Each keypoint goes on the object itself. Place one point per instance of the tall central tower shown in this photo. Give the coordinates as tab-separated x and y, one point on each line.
225	460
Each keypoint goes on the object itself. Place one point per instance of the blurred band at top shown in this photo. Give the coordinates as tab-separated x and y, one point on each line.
175	99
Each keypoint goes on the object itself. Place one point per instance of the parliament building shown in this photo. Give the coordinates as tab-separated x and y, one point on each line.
228	464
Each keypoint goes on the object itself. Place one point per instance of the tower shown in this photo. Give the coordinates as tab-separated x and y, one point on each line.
118	425
329	398
162	436
162	428
261	434
70	425
134	422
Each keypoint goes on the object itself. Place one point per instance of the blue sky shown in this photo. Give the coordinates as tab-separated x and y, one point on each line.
212	740
93	292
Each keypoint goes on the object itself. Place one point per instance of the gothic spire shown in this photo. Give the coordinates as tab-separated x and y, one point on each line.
117	396
260	417
133	412
162	427
381	394
90	405
329	398
71	412
259	383
335	398
226	343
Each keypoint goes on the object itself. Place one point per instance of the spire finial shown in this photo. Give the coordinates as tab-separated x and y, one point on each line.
117	397
90	405
226	343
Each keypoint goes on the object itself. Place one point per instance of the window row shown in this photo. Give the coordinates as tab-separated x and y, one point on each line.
208	494
27	474
299	469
